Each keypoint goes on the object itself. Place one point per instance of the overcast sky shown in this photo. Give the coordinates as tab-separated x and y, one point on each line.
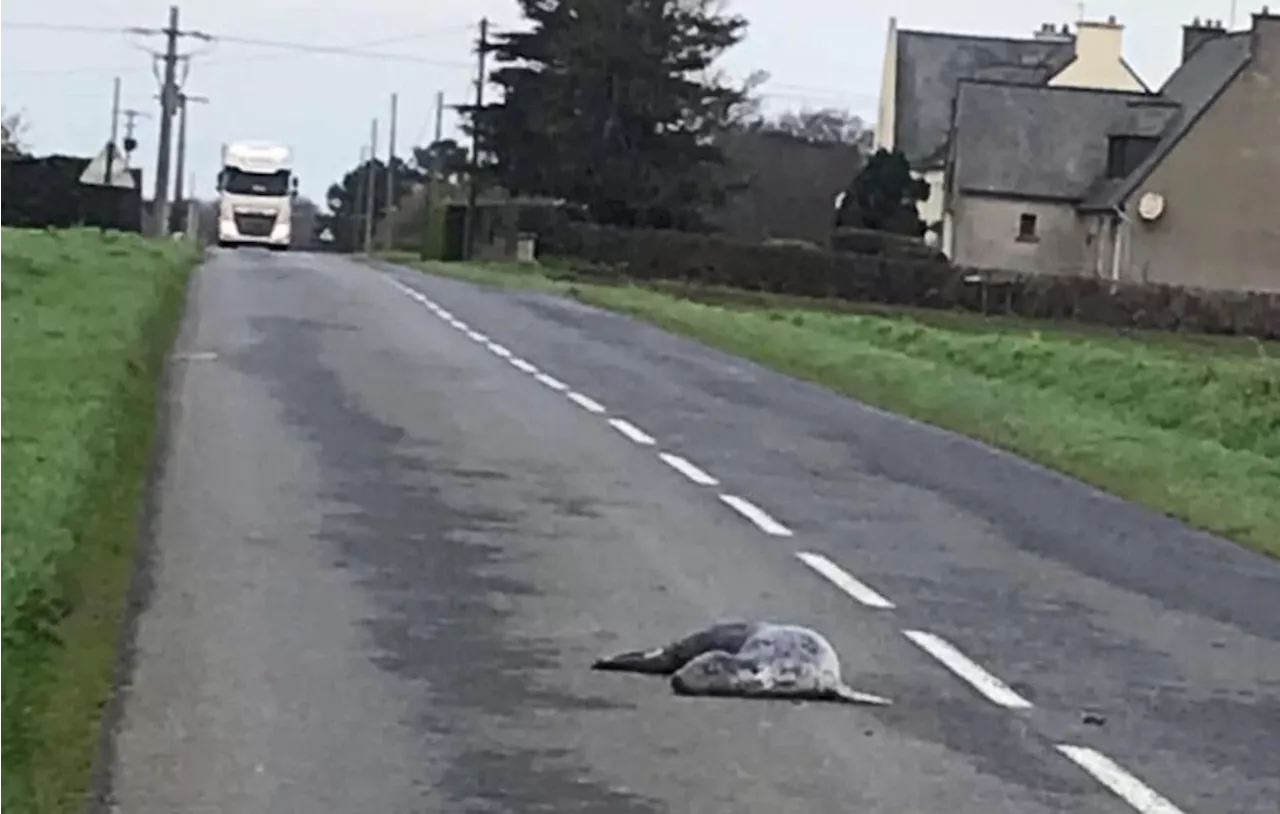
818	53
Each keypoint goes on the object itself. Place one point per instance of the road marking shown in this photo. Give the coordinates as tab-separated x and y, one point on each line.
551	381
459	324
632	431
586	402
499	350
477	336
756	515
445	315
689	470
844	580
995	690
1127	787
520	364
196	356
413	294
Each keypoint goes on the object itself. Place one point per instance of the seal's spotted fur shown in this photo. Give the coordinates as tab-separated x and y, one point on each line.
748	660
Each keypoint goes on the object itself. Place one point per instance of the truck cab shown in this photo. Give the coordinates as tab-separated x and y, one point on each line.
256	189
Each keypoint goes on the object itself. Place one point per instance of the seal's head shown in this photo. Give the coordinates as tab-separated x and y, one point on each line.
717	673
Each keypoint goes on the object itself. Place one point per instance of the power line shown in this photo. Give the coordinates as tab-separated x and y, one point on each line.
69	28
358	50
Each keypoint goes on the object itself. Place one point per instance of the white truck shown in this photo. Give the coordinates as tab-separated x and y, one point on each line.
256	188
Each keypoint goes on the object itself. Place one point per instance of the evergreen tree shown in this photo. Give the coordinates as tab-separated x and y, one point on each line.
612	104
883	196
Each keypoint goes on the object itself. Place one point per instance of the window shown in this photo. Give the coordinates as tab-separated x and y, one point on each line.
1125	153
239	182
1027	227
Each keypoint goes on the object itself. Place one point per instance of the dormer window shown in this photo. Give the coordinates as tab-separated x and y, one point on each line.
1125	153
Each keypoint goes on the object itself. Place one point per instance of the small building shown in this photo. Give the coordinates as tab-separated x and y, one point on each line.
923	69
1179	187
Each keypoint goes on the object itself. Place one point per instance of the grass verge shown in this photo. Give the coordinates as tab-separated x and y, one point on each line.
88	319
1187	425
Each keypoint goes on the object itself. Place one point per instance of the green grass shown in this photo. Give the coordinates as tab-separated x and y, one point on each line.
88	319
1187	425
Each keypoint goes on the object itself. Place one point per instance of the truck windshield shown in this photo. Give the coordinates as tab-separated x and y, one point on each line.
239	182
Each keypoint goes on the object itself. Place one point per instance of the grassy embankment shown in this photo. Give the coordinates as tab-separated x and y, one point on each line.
88	319
1188	425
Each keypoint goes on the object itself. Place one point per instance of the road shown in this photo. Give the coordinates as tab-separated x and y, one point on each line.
400	515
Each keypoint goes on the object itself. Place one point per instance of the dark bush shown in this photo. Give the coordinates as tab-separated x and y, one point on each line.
915	281
46	192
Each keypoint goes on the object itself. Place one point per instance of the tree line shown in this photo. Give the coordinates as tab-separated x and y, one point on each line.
620	109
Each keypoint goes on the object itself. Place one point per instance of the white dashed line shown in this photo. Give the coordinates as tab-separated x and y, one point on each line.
477	336
756	515
687	469
586	402
413	295
632	431
459	324
522	365
499	350
995	690
844	580
1127	787
551	381
443	314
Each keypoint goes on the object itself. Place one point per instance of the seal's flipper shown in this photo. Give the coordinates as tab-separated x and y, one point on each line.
726	636
656	662
851	696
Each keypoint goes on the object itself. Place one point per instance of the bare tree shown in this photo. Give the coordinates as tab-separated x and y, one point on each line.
828	125
14	126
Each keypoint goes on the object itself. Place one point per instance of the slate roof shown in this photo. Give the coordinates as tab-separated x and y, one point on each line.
1043	142
931	63
1193	86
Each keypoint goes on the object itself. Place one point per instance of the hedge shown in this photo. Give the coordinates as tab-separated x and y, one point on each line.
650	254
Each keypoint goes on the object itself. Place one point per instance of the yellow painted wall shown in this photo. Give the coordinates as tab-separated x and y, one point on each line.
1098	62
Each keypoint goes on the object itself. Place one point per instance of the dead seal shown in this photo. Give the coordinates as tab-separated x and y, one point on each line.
748	660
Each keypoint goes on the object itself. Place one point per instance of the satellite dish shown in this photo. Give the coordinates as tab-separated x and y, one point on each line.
1151	206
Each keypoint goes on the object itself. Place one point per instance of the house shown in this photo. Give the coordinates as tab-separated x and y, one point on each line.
1179	187
1022	159
922	70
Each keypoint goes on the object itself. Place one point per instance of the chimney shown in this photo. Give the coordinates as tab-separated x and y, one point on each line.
1198	32
1099	42
1048	32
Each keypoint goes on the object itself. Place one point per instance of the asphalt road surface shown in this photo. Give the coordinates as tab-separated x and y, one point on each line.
400	515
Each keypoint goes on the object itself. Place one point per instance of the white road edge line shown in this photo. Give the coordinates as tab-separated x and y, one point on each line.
689	470
995	690
443	314
477	336
551	381
756	515
499	350
522	365
459	324
632	431
586	402
1127	787
845	581
412	294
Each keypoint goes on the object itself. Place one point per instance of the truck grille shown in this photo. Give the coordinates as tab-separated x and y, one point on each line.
253	224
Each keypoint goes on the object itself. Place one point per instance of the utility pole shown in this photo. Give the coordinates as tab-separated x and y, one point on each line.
130	122
473	191
115	127
168	105
433	177
362	183
168	91
179	200
389	243
372	186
